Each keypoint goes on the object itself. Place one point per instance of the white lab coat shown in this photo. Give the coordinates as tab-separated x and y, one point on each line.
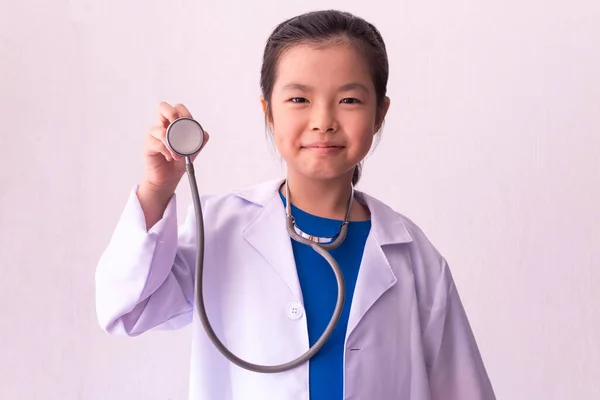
408	336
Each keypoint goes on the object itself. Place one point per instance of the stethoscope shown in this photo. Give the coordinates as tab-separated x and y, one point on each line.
185	137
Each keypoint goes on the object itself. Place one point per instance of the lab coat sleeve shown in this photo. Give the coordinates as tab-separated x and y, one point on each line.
456	370
145	279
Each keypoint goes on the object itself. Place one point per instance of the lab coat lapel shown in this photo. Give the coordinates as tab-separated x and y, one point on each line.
376	275
267	233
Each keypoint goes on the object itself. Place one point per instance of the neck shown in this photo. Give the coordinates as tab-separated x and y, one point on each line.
324	198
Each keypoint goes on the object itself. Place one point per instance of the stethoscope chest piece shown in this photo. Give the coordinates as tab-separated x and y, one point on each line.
185	136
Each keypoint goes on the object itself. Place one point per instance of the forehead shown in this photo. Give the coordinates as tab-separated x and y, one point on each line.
322	66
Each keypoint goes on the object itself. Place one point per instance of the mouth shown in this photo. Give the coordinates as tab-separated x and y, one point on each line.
320	145
323	148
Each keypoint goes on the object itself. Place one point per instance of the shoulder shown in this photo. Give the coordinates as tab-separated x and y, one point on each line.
241	205
392	226
403	239
254	196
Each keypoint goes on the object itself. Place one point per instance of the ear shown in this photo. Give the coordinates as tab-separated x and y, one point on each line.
264	105
381	113
265	109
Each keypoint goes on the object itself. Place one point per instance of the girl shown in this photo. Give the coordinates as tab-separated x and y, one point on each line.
403	333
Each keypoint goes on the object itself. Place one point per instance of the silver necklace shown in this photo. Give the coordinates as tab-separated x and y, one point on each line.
325	242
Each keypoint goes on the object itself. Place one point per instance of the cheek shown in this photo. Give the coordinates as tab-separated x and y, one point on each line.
280	142
366	141
363	129
284	137
286	128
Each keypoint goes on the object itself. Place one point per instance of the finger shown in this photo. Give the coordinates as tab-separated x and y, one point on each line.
206	137
166	114
159	133
182	111
155	146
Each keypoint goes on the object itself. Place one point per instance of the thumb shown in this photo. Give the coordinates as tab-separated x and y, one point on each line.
206	138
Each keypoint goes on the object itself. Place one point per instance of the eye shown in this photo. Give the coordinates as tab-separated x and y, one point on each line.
350	100
298	100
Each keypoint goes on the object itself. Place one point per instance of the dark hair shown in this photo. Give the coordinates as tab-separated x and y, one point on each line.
324	27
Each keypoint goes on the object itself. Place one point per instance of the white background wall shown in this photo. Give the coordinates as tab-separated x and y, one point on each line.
492	146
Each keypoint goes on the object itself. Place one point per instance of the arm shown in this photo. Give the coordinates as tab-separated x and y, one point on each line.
145	278
457	371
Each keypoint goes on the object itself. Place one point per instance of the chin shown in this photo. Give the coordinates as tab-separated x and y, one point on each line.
328	175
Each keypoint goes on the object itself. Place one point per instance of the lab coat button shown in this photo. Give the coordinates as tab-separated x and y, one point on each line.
295	311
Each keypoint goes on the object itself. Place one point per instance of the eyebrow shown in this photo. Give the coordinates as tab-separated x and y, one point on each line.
344	88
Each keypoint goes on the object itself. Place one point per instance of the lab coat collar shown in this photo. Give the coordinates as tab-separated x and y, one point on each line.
376	275
387	225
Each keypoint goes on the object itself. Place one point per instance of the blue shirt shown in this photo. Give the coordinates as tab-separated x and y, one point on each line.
319	292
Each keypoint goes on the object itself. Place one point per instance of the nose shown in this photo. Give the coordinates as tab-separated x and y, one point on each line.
323	120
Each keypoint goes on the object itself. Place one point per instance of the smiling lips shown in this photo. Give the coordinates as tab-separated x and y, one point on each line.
323	148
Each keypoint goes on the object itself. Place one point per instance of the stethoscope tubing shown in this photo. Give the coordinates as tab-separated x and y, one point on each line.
321	249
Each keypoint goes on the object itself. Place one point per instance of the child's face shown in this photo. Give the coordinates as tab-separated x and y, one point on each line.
324	110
